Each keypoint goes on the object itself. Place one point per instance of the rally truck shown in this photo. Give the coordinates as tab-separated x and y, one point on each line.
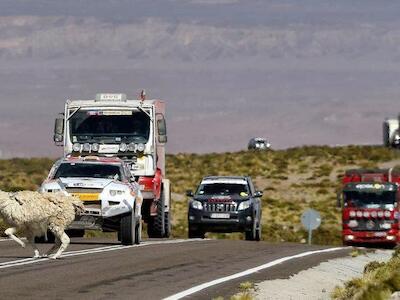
112	200
133	130
370	206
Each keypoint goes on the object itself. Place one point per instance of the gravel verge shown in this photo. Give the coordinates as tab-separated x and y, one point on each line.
318	282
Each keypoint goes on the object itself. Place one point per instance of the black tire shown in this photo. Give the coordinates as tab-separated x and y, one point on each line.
42	240
138	232
75	232
127	229
195	234
156	224
167	224
250	235
258	232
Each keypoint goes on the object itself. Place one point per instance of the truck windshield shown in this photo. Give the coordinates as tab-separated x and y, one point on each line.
370	199
88	170
109	126
223	189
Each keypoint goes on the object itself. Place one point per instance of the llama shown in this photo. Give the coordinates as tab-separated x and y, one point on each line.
34	213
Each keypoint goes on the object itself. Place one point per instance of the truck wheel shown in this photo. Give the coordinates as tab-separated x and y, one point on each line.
167	225
127	229
156	224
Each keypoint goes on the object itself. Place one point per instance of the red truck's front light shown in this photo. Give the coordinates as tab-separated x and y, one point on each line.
352	223
349	237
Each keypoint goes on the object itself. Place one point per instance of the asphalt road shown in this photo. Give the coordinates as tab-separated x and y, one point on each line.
102	269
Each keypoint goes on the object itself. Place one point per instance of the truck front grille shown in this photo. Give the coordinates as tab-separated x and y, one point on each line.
220	207
370	225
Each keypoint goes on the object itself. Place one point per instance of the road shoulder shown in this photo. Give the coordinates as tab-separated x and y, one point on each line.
318	282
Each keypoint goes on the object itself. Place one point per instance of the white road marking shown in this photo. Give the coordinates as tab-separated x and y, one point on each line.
28	261
8	240
206	285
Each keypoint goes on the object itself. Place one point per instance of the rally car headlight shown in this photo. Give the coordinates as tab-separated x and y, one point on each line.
140	147
116	192
197	204
244	205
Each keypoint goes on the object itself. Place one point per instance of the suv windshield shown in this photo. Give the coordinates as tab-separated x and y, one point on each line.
88	170
109	126
223	189
370	199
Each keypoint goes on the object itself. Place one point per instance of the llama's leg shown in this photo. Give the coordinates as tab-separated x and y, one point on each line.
31	240
10	232
63	237
57	244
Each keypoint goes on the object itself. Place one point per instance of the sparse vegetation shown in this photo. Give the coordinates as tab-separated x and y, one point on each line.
292	180
379	281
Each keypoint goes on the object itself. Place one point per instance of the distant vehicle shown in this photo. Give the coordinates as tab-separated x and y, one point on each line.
225	204
112	199
391	137
370	206
258	144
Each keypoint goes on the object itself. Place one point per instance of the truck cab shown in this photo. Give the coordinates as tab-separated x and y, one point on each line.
370	210
133	130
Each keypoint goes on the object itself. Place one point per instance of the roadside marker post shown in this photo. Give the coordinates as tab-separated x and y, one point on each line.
311	219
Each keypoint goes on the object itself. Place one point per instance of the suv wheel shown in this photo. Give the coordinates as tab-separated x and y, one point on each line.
195	234
259	231
251	235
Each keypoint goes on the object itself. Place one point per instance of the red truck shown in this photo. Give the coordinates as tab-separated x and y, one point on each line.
370	210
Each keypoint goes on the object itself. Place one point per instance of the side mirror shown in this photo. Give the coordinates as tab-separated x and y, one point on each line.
339	200
59	130
258	194
162	130
189	193
162	139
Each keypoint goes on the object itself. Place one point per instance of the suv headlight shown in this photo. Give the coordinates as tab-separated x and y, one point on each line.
197	204
116	192
244	205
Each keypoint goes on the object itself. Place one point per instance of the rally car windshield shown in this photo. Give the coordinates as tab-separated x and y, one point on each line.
385	199
223	189
109	126
88	171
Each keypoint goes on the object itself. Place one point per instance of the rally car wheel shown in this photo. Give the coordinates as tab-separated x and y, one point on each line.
128	229
138	232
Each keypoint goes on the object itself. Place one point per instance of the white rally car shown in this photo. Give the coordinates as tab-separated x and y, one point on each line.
111	197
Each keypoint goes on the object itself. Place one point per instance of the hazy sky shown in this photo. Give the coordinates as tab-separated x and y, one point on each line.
296	72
